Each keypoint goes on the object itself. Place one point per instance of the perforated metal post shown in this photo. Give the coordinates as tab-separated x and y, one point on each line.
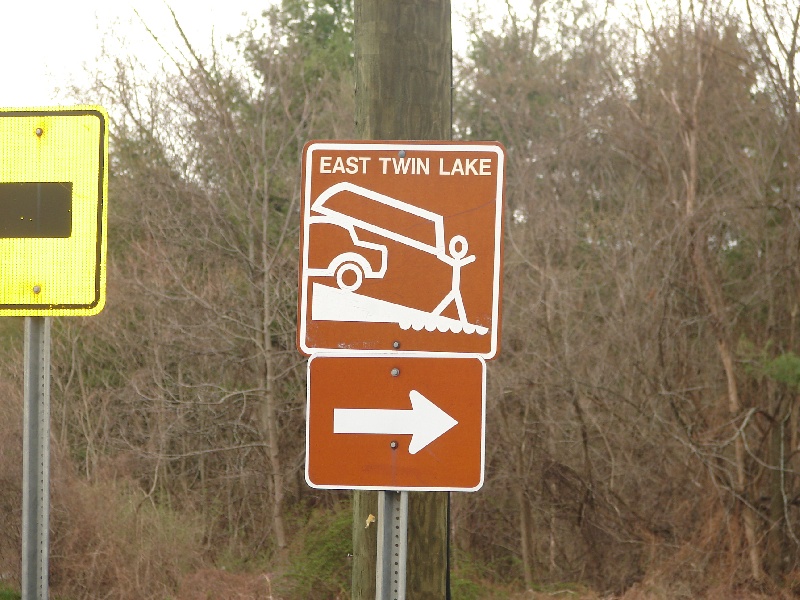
36	459
390	576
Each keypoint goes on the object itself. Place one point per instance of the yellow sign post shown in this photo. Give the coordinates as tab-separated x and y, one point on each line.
53	213
53	216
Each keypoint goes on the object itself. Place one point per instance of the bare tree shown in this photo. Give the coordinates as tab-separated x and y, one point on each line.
207	395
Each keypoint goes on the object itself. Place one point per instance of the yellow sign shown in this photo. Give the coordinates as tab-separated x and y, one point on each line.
53	211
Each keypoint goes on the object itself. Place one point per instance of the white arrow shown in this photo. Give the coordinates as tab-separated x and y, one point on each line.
425	421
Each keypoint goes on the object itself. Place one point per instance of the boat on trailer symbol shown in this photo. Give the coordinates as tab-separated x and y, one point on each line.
338	209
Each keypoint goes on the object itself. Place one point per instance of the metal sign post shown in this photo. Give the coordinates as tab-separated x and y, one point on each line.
401	256
390	576
36	459
53	221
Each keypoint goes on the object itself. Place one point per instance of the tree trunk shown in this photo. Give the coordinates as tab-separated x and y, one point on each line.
403	76
365	545
269	411
527	536
773	557
712	295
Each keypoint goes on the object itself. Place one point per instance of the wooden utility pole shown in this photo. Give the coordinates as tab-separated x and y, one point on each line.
403	77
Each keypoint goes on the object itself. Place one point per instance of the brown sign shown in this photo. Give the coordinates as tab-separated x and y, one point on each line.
401	247
396	422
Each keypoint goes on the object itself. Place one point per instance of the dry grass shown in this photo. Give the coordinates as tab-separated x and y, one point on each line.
106	538
212	584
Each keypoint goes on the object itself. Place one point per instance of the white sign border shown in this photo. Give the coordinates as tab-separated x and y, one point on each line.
399	355
397	146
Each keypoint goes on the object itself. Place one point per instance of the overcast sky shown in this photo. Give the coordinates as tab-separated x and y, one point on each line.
46	44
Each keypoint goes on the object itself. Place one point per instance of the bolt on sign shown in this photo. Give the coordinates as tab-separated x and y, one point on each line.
401	247
396	421
53	211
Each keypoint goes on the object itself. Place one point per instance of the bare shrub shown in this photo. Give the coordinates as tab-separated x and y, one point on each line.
10	481
106	540
208	584
110	542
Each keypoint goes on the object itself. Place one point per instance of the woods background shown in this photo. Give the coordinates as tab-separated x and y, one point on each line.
644	415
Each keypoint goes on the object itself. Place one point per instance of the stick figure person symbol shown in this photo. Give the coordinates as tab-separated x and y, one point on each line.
458	258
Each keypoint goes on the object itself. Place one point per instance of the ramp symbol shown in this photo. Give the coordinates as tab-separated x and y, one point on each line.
341	206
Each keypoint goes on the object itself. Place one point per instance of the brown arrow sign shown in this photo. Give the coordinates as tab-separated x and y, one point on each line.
396	422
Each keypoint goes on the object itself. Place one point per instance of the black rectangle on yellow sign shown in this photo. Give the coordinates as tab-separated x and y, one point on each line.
36	210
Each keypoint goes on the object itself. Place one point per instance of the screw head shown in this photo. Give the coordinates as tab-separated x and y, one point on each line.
37	289
393	444
395	372
395	344
402	153
39	132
